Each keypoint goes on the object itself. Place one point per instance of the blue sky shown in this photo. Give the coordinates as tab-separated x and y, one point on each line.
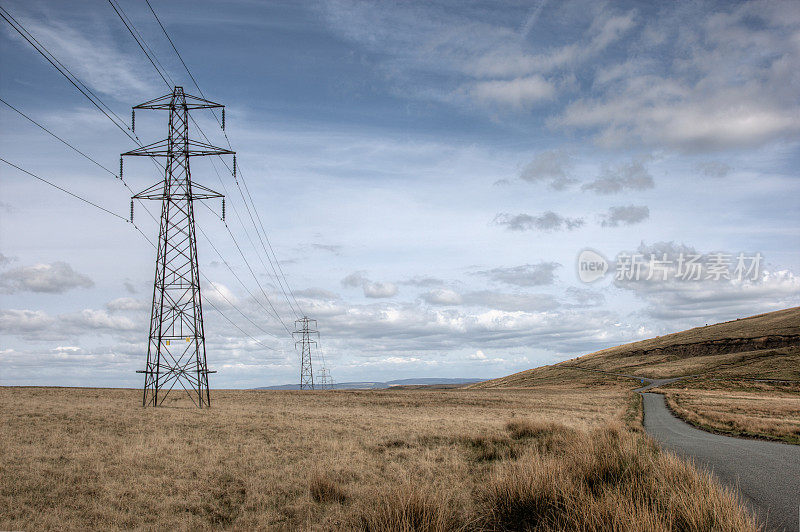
427	173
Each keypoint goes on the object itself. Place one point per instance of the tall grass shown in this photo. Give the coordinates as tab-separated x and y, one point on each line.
605	479
408	508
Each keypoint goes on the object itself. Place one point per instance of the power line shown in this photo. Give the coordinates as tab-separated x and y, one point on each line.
78	197
99	104
249	238
153	60
277	262
140	41
153	245
259	342
288	287
245	316
135	38
222	258
239	218
141	37
74	80
95	205
43	128
256	279
252	220
179	55
40	126
64	71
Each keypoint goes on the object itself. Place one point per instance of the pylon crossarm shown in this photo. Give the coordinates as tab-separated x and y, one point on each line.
150	150
208	149
194	148
154	103
153	192
151	372
165	102
156	192
205	192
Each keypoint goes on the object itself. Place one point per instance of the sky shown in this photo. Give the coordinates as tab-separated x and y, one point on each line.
428	175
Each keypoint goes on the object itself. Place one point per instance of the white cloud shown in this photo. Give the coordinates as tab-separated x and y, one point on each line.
379	290
719	93
372	289
510	302
539	274
551	166
21	321
625	215
584	297
714	168
627	176
220	295
518	93
479	355
355	279
97	320
127	303
708	298
547	221
442	296
54	278
486	58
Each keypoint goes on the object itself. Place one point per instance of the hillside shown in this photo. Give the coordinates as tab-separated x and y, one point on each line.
765	346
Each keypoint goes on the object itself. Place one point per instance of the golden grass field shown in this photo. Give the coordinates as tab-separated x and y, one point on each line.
553	458
738	407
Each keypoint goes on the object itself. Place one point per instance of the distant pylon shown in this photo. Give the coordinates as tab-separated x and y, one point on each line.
304	330
176	350
325	380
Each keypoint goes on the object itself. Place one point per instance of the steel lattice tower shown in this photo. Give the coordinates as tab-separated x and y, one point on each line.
176	351
325	380
305	330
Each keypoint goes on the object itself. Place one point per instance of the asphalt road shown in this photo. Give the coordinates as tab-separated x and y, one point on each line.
767	474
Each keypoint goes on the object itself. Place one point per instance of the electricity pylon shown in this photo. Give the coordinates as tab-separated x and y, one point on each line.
176	350
325	380
304	330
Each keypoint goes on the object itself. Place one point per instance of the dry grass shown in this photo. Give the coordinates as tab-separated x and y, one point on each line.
739	408
607	479
368	460
324	488
568	479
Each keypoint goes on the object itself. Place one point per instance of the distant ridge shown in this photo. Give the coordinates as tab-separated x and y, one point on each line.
377	385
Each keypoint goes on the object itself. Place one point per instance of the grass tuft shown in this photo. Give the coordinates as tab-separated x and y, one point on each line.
607	479
325	489
409	507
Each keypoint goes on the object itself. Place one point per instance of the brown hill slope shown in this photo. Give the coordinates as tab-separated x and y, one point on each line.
766	346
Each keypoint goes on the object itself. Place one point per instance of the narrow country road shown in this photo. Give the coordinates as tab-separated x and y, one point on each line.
767	474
